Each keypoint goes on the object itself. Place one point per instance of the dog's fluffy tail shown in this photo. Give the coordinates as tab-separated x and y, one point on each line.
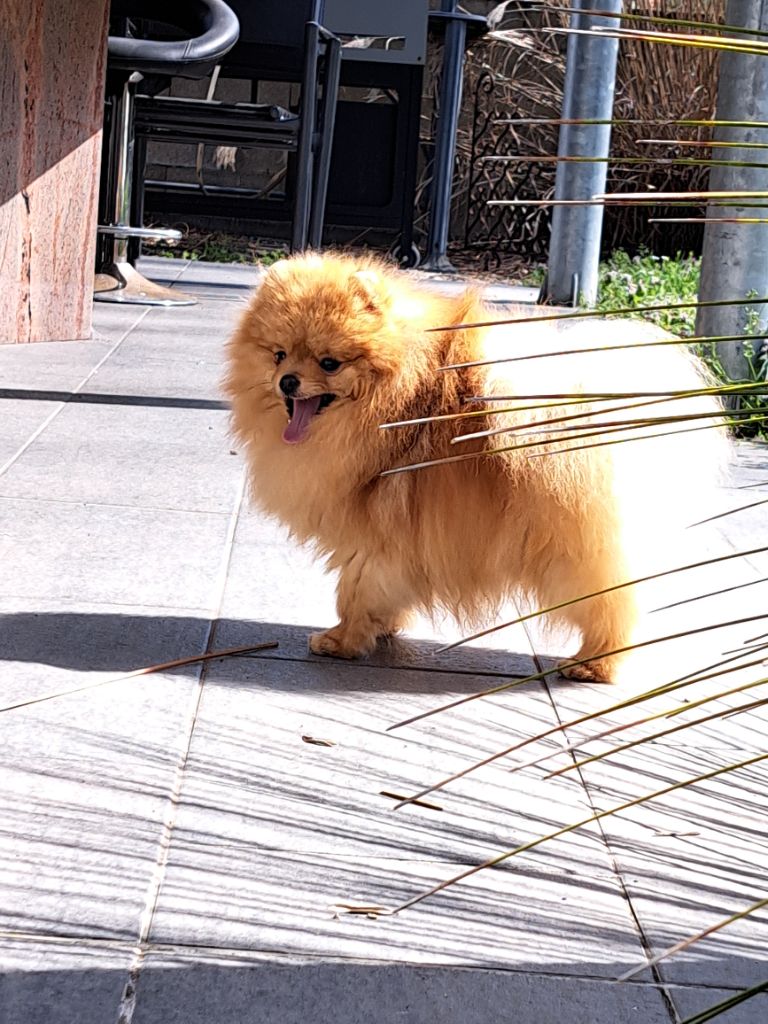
650	425
668	472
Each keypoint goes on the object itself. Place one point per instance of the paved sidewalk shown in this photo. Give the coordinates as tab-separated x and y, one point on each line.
172	845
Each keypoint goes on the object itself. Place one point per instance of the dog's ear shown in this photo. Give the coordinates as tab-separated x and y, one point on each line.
368	286
288	267
277	276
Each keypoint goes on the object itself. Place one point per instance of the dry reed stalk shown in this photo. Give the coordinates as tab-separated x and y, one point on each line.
654	83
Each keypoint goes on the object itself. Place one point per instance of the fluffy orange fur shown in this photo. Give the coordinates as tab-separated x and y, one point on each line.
466	535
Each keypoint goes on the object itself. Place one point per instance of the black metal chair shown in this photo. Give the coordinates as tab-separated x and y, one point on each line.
373	171
280	41
189	38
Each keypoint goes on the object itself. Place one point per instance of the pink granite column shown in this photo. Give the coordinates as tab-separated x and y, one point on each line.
52	64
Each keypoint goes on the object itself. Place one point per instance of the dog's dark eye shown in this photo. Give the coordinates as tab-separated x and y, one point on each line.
279	356
329	365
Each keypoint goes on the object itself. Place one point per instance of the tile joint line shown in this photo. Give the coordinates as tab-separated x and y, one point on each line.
127	1004
658	981
49	419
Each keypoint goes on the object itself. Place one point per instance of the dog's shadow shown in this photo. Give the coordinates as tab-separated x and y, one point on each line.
101	641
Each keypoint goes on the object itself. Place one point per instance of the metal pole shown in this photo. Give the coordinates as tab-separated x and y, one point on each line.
124	143
445	144
735	256
590	77
304	159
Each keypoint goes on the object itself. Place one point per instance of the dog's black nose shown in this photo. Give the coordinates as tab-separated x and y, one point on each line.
289	384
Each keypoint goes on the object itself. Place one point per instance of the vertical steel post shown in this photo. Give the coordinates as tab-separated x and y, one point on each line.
590	77
445	144
735	256
124	141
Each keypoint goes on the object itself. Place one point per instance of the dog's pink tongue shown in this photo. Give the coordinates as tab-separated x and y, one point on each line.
303	411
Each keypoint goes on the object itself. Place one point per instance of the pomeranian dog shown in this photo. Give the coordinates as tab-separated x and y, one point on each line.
531	495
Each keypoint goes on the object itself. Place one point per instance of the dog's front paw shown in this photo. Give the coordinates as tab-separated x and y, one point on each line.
332	644
589	671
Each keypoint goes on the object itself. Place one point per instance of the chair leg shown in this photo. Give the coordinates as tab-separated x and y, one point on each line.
117	281
122	283
137	200
303	199
301	206
328	121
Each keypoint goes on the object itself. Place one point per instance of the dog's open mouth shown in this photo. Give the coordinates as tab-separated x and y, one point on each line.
301	412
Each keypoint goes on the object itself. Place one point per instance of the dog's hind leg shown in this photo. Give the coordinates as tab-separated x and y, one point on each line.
373	600
606	624
574	567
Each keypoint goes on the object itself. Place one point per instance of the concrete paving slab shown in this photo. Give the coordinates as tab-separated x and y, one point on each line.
186	335
215	286
692	857
110	554
689	1001
85	783
179	332
178	327
50	646
219	284
275	741
142	371
265	812
748	468
746	528
216	281
161	269
60	365
529	921
196	986
136	455
413	651
220	275
21	419
493	291
53	980
113	321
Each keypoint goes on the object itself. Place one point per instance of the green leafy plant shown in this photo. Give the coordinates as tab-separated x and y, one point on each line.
216	247
644	279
